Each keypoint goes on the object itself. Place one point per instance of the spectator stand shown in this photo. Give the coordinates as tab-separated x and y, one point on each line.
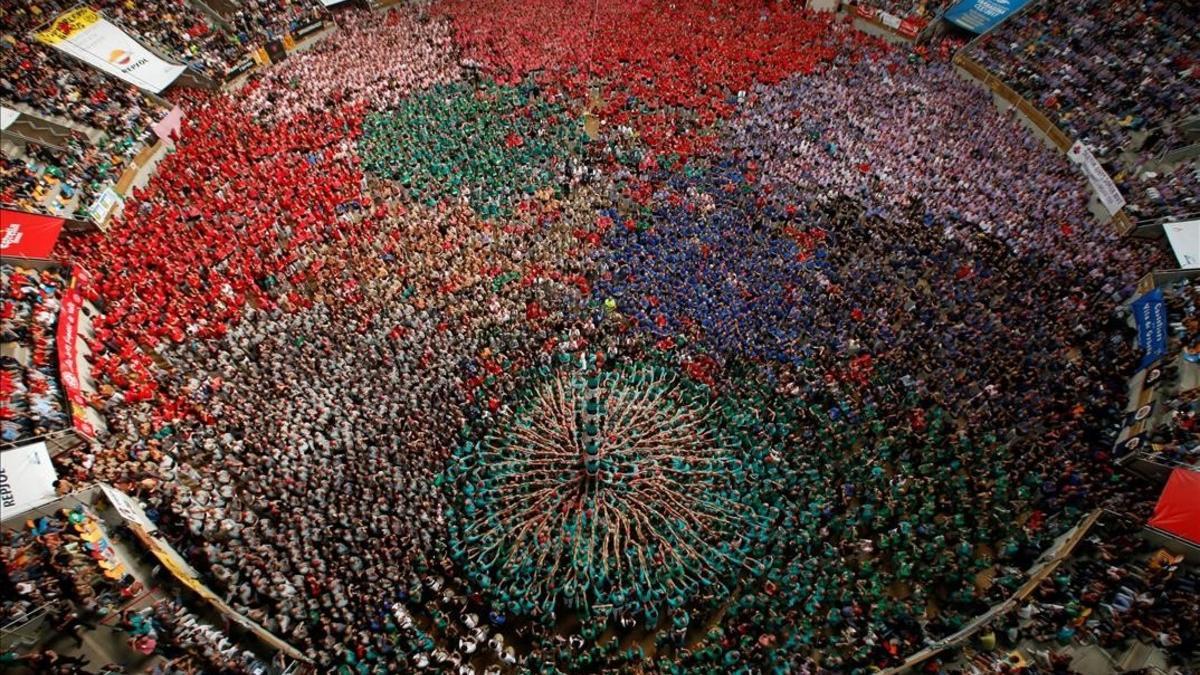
1094	606
1044	567
48	389
72	143
299	38
51	162
1161	422
24	125
1119	77
63	561
1163	175
1175	141
123	615
145	532
1036	118
49	165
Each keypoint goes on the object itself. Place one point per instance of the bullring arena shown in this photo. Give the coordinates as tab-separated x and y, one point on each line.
483	337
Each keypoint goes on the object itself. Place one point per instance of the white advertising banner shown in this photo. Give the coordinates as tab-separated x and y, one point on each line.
103	207
129	509
1185	242
87	36
890	20
26	479
7	117
1104	186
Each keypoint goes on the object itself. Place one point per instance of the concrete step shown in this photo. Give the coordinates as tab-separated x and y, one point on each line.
1141	655
217	11
92	133
224	8
11	149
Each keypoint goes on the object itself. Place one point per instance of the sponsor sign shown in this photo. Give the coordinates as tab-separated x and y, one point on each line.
980	16
68	335
240	67
1150	314
104	205
1104	186
67	341
130	510
308	29
1184	237
87	36
28	235
276	51
27	479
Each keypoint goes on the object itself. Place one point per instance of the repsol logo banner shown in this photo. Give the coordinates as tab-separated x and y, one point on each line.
27	479
85	34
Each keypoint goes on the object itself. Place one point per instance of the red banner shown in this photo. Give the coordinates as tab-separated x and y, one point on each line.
866	12
911	26
28	235
68	352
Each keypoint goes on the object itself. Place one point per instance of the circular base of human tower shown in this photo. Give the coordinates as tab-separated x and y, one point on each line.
607	492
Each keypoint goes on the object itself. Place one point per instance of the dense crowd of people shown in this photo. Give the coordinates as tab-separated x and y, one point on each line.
177	29
1115	590
895	317
1106	73
66	180
63	560
333	73
258	20
31	398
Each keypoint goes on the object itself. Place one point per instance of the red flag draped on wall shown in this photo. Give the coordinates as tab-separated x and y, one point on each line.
28	235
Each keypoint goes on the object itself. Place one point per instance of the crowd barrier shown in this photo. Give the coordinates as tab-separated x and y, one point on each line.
1132	447
1051	560
147	534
